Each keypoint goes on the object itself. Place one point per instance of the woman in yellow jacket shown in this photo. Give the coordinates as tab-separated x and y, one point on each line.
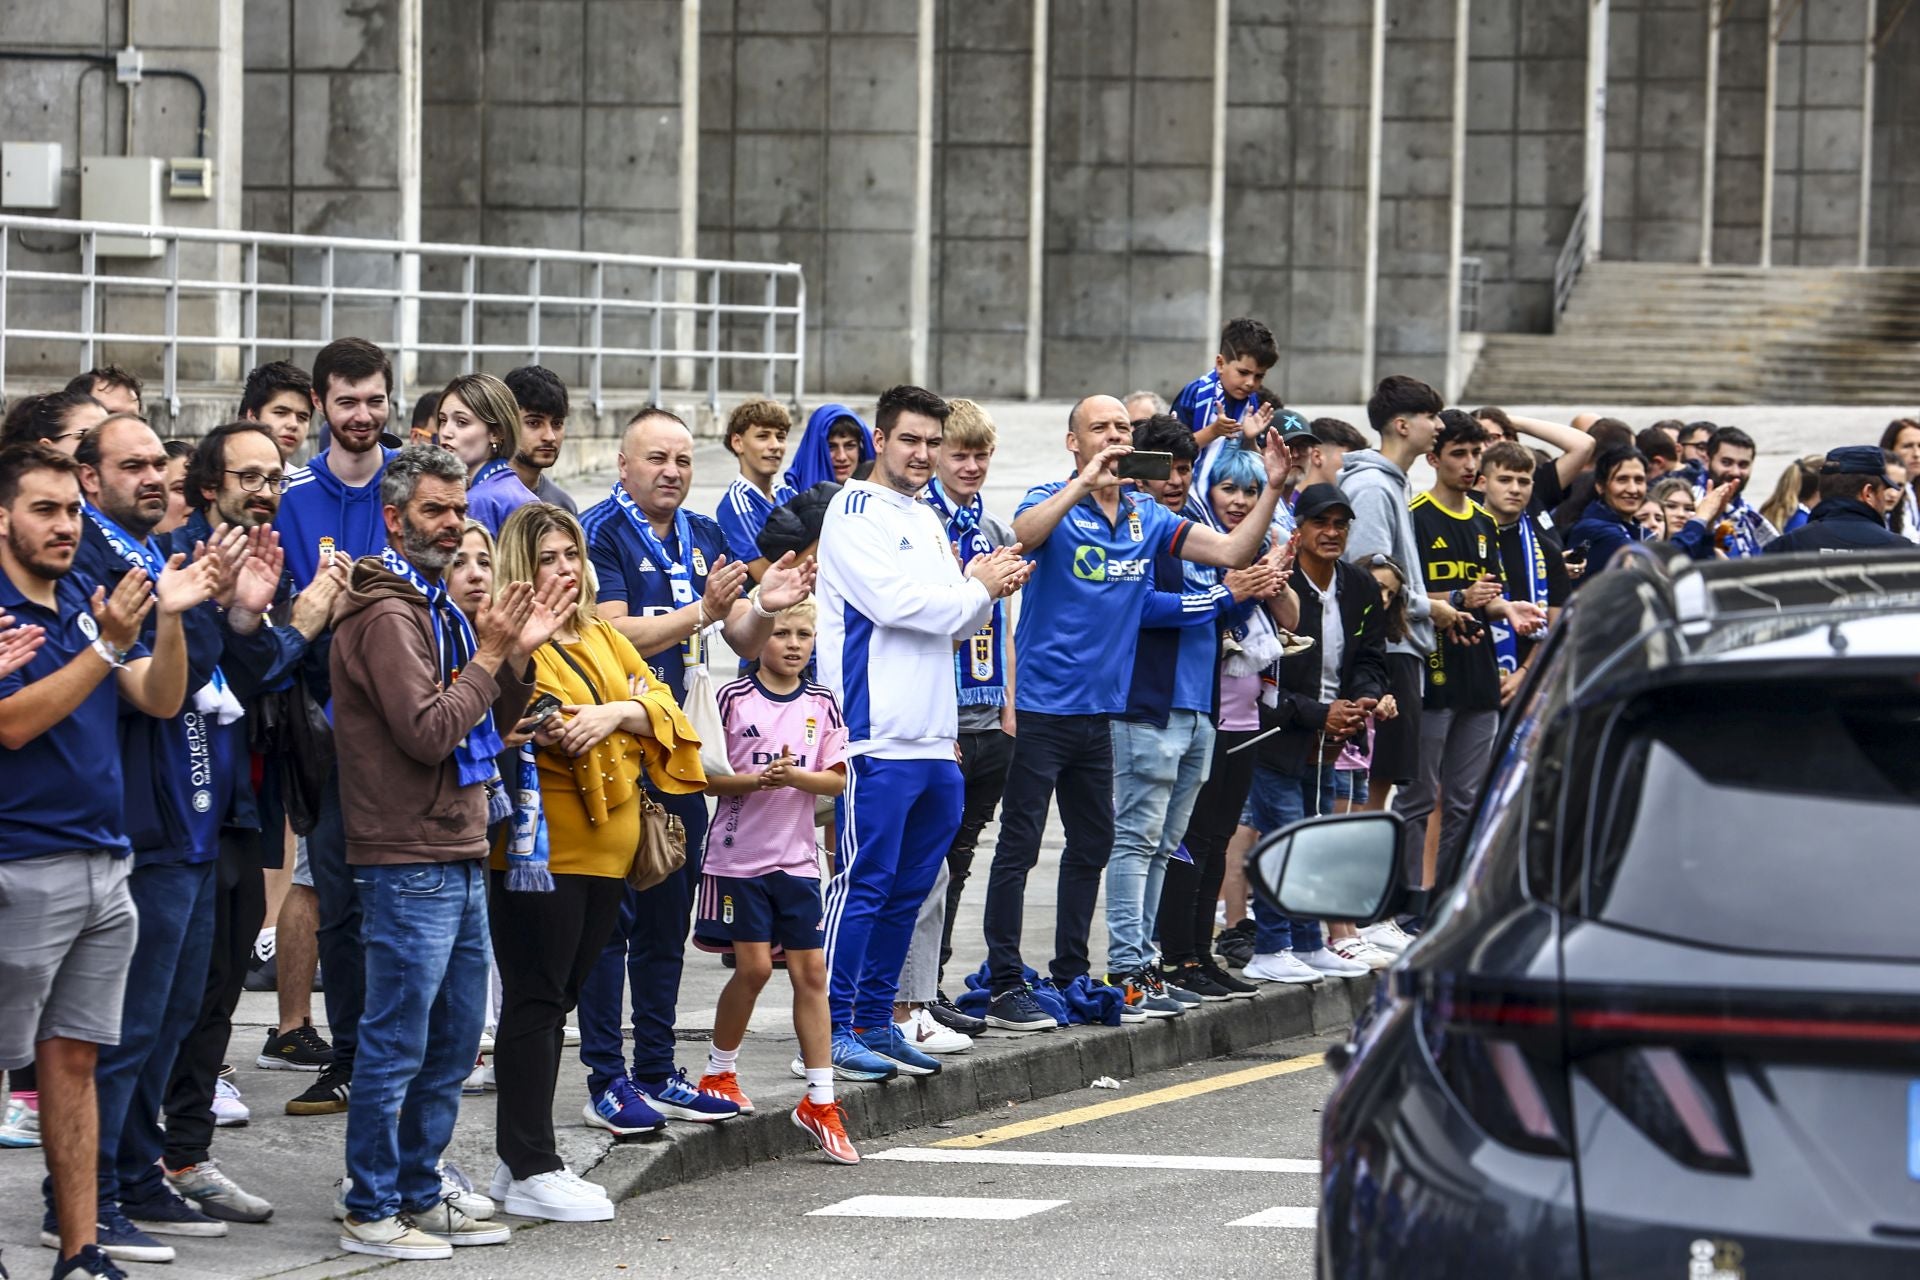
554	901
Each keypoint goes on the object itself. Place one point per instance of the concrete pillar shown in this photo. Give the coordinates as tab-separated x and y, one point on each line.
1770	123
1821	114
1649	199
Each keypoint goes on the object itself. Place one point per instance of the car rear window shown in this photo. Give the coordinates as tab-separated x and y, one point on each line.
1763	818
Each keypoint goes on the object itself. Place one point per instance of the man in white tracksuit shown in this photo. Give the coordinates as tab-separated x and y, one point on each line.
893	602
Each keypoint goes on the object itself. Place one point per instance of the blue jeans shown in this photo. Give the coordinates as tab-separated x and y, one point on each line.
427	958
166	980
898	818
1156	775
1278	800
646	952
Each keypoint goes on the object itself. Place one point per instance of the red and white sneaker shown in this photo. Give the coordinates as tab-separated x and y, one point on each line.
828	1125
726	1084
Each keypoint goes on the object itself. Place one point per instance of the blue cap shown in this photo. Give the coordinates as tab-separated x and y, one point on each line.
1857	460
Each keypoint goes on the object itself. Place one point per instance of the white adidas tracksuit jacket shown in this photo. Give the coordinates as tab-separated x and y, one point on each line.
892	603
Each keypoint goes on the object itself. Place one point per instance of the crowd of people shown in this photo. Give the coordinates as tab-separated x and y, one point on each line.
490	721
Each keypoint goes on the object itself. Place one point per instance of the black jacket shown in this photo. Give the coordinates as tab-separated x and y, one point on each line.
1363	668
1839	524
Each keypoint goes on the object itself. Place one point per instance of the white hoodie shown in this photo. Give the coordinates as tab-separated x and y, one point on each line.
892	603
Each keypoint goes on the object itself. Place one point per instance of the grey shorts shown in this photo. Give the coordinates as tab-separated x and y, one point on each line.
67	931
302	872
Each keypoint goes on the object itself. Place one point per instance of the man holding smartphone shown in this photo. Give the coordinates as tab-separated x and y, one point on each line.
1093	544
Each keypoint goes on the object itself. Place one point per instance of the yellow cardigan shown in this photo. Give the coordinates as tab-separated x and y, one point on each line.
592	802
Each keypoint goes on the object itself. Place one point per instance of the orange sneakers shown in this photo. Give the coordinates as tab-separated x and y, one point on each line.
725	1084
828	1125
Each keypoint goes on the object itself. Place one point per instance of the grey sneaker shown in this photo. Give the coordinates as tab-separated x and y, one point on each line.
446	1222
212	1192
395	1237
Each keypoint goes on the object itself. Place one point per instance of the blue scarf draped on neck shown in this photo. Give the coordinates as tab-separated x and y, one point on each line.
979	665
453	648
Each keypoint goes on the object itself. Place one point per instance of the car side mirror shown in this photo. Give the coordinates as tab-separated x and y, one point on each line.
1342	867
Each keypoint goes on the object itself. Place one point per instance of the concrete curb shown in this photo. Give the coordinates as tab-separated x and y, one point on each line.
997	1071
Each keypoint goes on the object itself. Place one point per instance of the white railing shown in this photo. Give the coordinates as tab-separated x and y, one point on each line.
675	306
1573	256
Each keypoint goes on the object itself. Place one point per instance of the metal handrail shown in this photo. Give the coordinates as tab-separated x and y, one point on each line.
1573	256
676	289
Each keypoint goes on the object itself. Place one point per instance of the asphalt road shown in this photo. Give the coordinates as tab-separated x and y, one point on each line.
1054	1189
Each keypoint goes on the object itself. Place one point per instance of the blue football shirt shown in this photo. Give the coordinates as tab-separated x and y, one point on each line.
625	573
1080	612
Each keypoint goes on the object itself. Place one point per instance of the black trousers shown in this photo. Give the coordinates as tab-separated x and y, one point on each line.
1188	893
1068	758
239	909
984	756
545	945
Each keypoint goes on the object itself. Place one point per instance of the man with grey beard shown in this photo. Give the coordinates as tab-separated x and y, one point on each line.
421	698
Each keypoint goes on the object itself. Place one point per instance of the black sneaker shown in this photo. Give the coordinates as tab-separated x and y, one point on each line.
1016	1010
1234	985
1195	979
301	1049
88	1262
326	1096
1235	945
948	1015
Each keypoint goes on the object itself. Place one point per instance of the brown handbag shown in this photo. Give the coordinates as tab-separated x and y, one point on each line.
662	848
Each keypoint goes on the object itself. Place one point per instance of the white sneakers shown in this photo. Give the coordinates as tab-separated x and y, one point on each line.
1326	960
1279	966
558	1196
1388	936
1361	951
928	1036
229	1112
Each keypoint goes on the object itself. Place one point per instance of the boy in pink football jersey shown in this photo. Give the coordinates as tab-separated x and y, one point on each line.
760	885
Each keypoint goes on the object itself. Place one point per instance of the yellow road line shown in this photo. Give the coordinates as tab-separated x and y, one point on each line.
1121	1106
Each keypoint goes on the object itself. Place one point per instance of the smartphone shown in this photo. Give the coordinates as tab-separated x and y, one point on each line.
1145	464
539	711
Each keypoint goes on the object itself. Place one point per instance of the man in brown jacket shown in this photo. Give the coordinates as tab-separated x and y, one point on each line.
420	701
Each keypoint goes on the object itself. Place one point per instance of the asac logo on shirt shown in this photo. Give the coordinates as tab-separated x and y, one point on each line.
1092	565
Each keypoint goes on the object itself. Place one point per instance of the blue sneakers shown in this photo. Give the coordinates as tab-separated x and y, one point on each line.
165	1214
853	1060
674	1098
1015	1009
887	1042
621	1111
88	1262
119	1239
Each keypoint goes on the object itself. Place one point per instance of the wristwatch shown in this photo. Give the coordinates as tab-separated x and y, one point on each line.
1457	598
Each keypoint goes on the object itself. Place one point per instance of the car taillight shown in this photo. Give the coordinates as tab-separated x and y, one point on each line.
1498	1050
1679	1101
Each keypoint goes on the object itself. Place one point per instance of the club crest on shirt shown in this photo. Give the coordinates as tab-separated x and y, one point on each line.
699	561
1483	546
813	731
88	627
1134	530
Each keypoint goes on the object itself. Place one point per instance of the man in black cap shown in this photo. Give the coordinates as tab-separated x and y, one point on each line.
1852	483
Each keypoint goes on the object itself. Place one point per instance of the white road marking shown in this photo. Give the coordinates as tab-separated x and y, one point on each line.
1096	1160
973	1208
1286	1215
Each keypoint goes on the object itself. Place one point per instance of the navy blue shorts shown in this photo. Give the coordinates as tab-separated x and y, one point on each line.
776	908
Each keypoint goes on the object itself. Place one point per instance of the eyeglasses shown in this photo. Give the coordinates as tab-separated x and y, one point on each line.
254	481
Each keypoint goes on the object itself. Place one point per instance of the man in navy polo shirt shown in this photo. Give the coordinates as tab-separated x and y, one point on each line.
123	476
67	923
1093	544
663	579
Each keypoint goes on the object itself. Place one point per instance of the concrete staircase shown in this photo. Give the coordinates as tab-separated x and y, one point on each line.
1658	333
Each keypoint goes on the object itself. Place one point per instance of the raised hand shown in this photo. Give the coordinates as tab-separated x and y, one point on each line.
313	608
1101	473
1254	421
500	620
551	606
723	587
184	586
786	582
258	580
121	613
1278	462
1708	509
18	644
1256	582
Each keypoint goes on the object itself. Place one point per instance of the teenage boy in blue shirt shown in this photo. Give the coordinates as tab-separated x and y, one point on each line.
757	438
1093	543
67	919
664	577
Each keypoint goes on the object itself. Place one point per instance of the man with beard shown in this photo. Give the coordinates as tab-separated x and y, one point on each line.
332	510
235	479
68	924
542	398
1741	530
420	697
